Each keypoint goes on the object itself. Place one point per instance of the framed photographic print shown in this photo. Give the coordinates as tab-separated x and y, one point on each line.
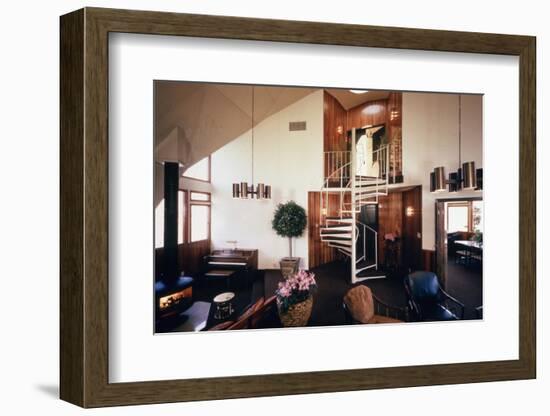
256	207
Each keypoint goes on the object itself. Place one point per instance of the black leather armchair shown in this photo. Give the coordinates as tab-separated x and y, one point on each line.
428	301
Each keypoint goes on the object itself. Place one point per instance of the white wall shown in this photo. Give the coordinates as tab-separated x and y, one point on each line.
430	139
291	162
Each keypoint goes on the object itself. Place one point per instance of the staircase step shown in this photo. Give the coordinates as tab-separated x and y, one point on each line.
369	274
346	251
342	238
370	182
343	244
343	226
336	227
362	196
364	266
367	191
358	177
365	263
335	189
334	239
328	231
340	219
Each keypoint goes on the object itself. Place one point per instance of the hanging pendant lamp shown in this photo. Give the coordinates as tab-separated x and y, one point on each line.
243	190
466	177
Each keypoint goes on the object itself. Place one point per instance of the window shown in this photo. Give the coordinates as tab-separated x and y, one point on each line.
200	222
159	220
193	218
159	225
458	217
199	170
465	216
181	215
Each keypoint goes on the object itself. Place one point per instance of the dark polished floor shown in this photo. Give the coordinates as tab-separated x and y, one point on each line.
465	283
333	281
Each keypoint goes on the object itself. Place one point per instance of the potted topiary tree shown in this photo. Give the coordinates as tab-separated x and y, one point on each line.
289	221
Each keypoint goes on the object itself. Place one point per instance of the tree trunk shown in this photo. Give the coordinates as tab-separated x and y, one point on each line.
290	246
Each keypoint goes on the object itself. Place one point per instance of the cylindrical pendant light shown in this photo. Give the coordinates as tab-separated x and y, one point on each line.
260	190
479	179
244	190
453	182
469	175
439	179
464	177
236	190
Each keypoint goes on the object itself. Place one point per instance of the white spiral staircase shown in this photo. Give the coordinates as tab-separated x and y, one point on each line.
343	194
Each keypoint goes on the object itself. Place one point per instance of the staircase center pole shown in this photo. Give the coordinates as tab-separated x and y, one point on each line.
353	155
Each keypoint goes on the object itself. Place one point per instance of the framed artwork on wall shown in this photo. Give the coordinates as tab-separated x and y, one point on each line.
238	193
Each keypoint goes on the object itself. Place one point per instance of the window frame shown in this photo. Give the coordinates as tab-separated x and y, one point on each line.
209	221
199	200
461	204
185	225
188	203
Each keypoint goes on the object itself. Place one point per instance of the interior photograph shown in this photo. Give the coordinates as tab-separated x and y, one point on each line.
282	206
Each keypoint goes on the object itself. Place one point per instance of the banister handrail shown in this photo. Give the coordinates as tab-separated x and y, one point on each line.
367	226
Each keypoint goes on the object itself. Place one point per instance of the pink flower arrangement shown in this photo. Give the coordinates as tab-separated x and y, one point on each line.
295	289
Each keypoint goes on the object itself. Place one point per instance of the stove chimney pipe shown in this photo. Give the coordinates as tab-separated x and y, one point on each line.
171	187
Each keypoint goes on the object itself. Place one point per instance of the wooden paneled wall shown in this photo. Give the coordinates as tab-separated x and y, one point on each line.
393	218
395	132
369	113
335	126
319	252
428	260
412	227
387	111
189	257
390	219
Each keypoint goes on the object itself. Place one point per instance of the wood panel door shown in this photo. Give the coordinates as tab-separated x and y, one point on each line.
440	243
390	221
412	229
319	252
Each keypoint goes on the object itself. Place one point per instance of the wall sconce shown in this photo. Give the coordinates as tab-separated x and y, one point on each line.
409	212
340	129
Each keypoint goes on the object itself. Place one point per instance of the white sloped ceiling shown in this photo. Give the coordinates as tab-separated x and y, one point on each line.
192	120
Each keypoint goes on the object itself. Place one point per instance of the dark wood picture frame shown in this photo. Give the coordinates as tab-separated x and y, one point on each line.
84	207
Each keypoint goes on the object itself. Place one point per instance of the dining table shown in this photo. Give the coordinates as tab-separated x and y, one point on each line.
471	247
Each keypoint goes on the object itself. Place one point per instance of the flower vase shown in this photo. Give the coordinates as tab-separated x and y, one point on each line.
297	314
289	266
